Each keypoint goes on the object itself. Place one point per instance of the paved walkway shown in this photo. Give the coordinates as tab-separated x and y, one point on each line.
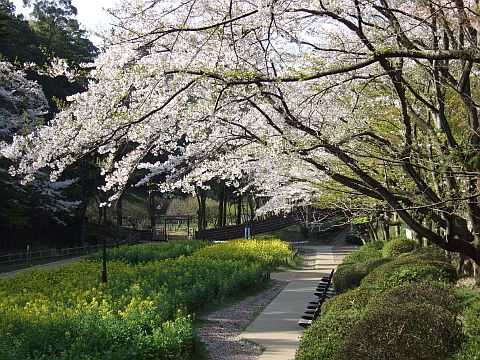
276	328
42	266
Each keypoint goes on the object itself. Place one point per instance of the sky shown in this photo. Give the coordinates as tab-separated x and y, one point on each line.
90	13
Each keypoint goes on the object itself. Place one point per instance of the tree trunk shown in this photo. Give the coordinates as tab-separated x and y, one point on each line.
104	247
119	216
239	209
151	208
202	216
83	222
251	206
225	205
221	205
373	233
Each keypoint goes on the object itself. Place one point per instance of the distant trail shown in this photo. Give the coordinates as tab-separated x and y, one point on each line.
49	265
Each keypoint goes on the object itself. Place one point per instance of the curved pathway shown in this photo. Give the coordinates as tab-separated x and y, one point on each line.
48	265
276	329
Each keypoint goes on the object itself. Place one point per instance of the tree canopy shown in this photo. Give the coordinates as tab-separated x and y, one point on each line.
369	103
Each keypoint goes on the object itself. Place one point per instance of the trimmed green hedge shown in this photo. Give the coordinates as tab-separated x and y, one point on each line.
470	349
402	331
471	318
397	308
350	275
427	253
322	339
402	271
398	246
435	294
355	299
366	252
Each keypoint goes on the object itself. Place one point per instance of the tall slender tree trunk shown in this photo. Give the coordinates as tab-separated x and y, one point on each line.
104	247
251	205
119	216
239	209
225	205
151	207
202	216
83	222
221	205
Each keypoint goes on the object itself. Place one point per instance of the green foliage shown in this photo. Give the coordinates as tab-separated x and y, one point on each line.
471	318
189	206
403	271
398	246
150	252
353	239
402	331
470	349
355	299
435	294
290	233
322	339
350	275
466	297
366	252
434	253
269	253
141	313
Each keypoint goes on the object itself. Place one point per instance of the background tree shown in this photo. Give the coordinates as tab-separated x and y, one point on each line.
35	211
379	98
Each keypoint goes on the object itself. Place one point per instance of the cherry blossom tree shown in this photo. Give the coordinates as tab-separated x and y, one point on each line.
373	101
22	106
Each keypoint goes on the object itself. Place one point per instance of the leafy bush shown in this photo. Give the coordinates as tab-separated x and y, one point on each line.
435	294
470	349
350	275
402	331
355	299
403	271
365	252
141	313
324	336
434	253
398	246
471	318
150	252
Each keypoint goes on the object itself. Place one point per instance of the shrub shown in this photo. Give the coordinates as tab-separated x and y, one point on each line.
365	252
350	275
398	246
397	331
325	335
433	252
471	318
347	277
355	299
435	294
403	271
470	349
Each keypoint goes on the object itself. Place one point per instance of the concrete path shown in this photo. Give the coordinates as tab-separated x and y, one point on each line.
276	328
43	266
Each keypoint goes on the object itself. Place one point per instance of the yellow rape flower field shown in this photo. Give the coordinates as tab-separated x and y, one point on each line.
145	311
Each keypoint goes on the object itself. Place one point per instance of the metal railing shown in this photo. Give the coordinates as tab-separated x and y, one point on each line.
68	251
